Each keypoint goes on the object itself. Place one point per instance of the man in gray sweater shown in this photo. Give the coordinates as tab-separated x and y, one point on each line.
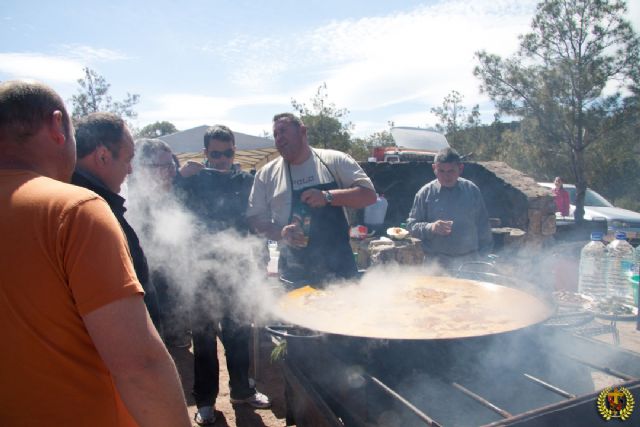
449	215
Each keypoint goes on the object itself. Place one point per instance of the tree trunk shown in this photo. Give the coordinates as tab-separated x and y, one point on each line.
577	159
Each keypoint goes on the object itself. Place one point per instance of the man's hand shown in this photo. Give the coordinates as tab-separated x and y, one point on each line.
190	168
293	235
442	228
313	197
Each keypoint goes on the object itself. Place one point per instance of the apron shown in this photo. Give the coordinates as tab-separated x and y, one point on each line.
328	254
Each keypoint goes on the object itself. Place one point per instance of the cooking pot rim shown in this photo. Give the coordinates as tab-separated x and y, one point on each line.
489	278
283	331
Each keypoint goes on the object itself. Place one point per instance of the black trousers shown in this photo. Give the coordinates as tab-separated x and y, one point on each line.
173	317
235	339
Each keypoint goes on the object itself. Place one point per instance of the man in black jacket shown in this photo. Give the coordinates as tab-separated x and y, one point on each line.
218	194
105	150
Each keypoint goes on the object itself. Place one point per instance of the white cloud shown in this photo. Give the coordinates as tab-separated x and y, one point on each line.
187	110
415	119
89	54
421	55
251	61
364	128
422	118
403	63
42	67
368	64
375	62
63	68
633	14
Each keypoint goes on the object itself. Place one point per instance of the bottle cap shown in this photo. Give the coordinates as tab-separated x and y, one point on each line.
596	235
621	235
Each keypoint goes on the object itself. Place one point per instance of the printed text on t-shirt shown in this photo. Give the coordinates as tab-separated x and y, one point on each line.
303	182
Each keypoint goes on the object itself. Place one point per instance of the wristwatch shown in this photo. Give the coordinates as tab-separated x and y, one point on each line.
328	197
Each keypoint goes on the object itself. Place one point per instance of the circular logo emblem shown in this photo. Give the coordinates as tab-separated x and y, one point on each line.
615	402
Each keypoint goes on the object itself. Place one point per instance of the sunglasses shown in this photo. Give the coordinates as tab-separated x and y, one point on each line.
217	154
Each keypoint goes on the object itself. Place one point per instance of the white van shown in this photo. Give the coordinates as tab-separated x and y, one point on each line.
597	207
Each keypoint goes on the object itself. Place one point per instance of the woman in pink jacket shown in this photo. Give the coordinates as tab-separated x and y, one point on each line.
561	196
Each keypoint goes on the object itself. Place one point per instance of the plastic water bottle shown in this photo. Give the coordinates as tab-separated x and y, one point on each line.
635	278
302	216
593	267
273	249
636	288
621	259
374	214
274	255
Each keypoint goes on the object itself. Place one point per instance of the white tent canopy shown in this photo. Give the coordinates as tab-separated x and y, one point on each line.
192	140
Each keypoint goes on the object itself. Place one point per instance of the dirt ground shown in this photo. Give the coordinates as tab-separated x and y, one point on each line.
629	335
268	381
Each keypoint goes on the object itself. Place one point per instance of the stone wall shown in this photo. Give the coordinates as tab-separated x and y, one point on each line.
373	251
517	200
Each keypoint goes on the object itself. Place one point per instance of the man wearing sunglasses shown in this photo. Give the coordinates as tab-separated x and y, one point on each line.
218	155
218	194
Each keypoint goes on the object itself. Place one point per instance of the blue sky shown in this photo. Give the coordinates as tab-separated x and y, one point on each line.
239	62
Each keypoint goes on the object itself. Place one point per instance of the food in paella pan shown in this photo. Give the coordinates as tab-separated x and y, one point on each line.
415	307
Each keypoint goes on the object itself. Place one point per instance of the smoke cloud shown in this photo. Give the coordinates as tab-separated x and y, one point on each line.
230	267
181	247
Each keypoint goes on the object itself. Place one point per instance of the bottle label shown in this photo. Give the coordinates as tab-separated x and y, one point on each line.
626	267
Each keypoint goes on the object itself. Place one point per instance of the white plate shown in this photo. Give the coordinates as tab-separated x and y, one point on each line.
397	233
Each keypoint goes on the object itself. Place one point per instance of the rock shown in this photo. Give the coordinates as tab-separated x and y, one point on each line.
406	252
548	226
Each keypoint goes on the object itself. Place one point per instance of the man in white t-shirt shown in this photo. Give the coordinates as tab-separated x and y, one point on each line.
298	200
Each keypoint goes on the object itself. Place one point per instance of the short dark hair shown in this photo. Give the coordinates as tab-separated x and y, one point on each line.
148	148
219	132
25	107
290	117
448	155
99	129
176	161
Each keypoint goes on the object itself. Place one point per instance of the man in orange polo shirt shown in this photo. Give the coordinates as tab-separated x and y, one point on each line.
78	346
